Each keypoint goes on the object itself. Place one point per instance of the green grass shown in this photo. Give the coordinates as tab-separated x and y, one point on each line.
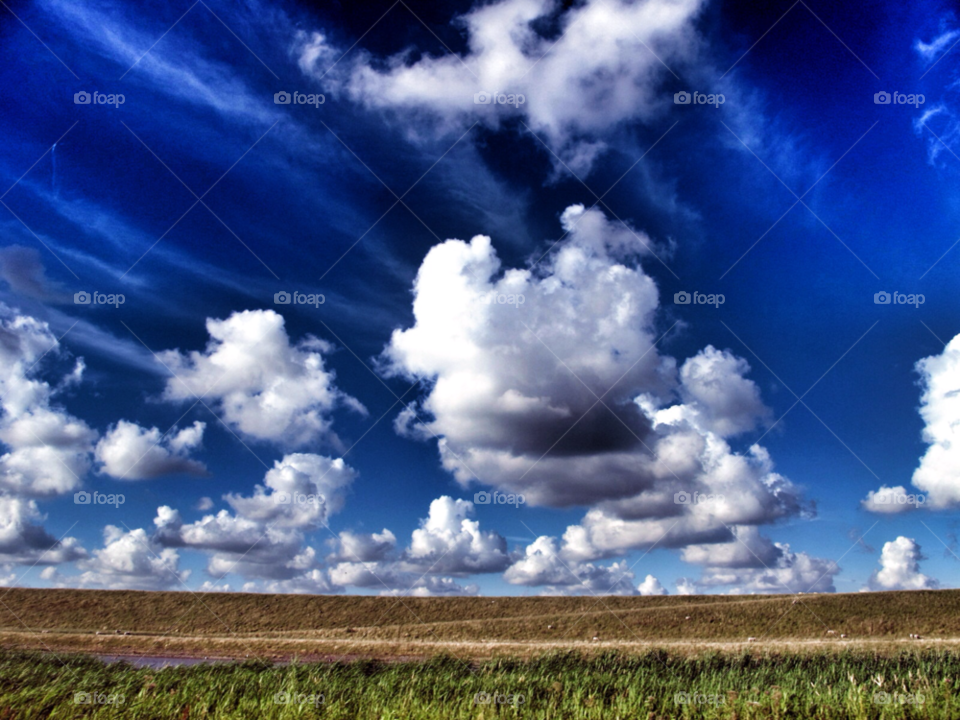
829	685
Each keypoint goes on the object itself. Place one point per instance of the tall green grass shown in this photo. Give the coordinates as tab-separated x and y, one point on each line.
842	685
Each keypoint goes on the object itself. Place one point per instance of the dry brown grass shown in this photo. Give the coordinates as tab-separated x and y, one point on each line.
239	624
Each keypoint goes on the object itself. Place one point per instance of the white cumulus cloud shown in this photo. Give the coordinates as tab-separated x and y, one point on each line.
651	586
265	387
131	452
900	568
130	559
565	398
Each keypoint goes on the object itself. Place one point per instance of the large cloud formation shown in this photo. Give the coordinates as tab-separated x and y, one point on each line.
130	560
601	65
48	449
447	543
264	537
565	398
753	564
267	388
938	475
939	472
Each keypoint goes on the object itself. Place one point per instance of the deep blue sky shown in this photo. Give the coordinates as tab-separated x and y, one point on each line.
91	211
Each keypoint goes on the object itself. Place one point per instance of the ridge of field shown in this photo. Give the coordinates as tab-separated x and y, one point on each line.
700	618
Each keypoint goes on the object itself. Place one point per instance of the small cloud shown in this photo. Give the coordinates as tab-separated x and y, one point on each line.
22	269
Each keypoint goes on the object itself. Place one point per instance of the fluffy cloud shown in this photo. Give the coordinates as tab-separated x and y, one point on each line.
24	542
749	550
236	544
131	452
434	587
891	500
390	579
513	396
48	449
791	573
651	586
900	568
312	582
265	387
938	475
543	564
299	491
363	547
132	560
718	396
752	563
939	472
264	537
604	54
449	542
501	397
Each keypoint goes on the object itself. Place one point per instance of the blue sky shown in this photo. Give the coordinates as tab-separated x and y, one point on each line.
498	286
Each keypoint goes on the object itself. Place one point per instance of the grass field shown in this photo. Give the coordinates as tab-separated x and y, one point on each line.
847	685
276	626
371	657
